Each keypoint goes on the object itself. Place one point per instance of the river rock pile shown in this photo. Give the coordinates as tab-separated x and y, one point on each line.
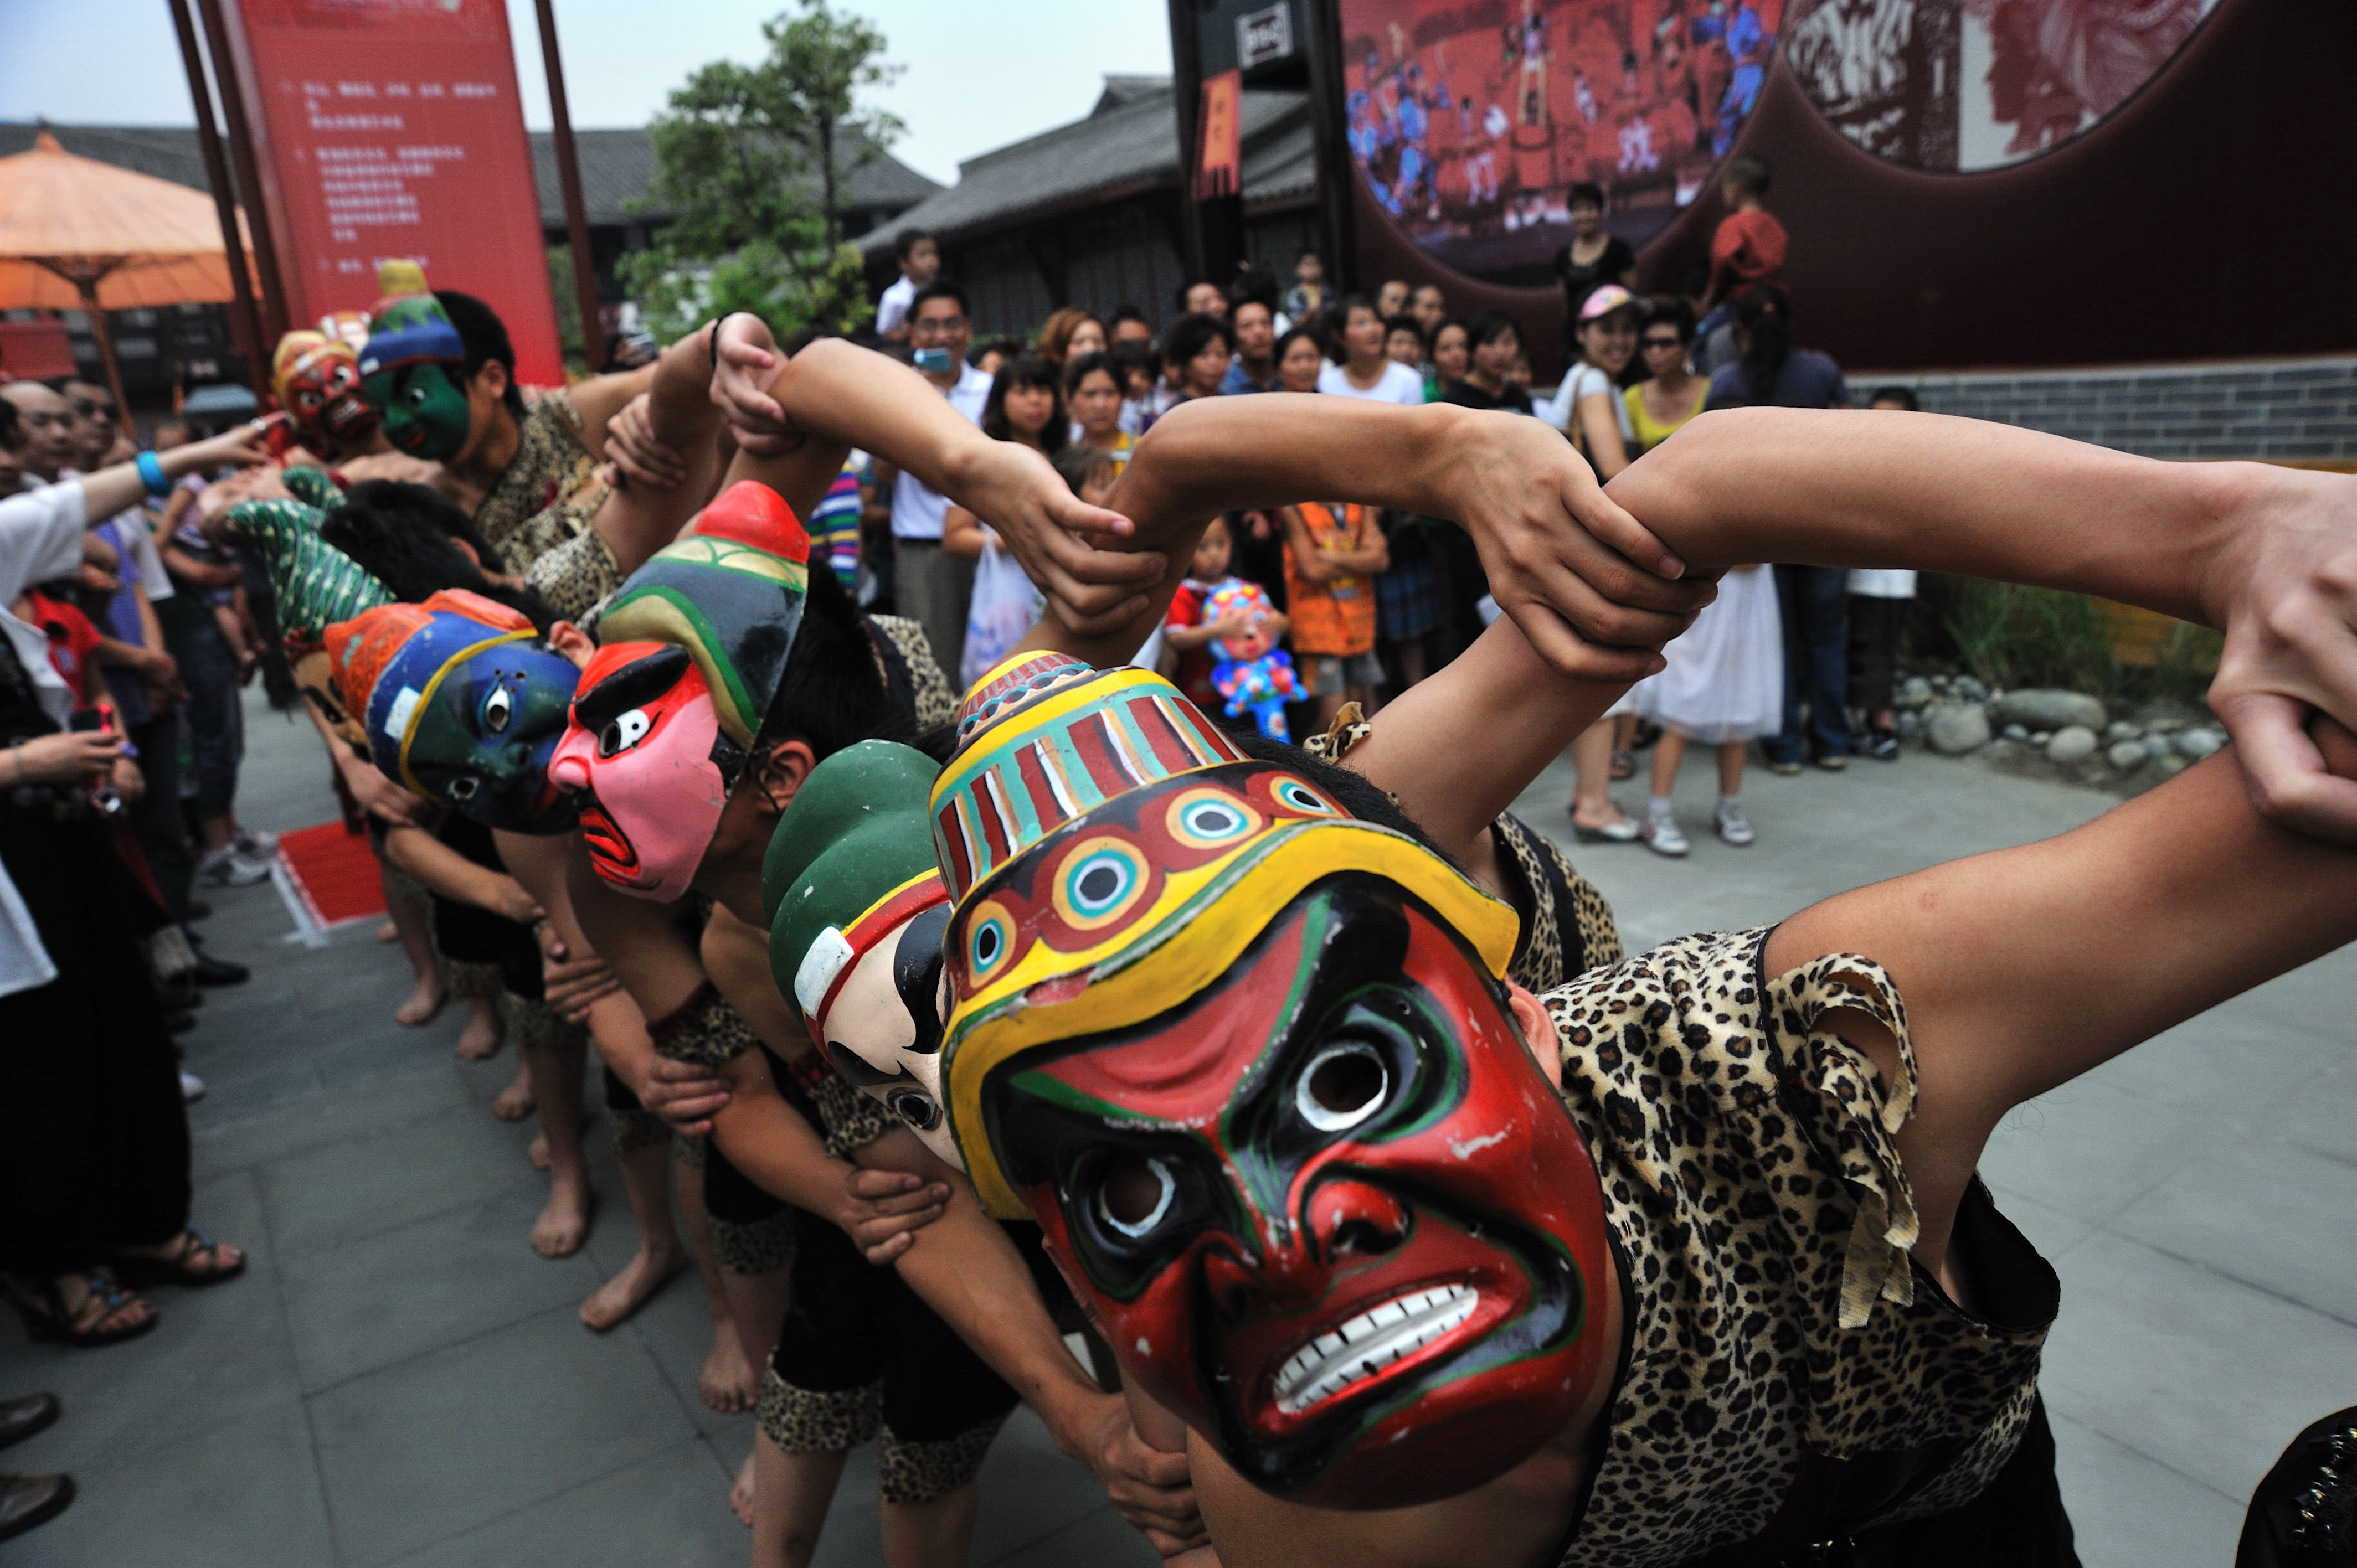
2054	734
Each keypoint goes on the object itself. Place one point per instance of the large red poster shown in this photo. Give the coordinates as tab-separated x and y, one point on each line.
392	128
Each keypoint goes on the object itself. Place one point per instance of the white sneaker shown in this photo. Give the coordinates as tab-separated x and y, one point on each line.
1662	834
222	868
255	844
1732	824
192	1089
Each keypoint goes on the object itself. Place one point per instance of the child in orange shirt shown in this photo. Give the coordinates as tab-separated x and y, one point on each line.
1332	550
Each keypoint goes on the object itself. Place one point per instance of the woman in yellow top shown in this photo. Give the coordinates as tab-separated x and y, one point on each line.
1672	393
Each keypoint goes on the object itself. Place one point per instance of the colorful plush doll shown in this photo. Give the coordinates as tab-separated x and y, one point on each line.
1250	672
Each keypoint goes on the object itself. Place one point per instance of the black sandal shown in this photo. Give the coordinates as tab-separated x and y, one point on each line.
140	1269
43	1307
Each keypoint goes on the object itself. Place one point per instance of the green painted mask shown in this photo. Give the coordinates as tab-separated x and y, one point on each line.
426	410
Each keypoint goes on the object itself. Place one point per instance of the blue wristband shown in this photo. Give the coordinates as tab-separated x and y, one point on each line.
151	473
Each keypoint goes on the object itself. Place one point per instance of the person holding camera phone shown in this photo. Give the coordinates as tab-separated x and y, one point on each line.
94	1188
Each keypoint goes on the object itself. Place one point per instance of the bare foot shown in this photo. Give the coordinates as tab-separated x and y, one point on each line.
636	1285
564	1225
424	1003
481	1035
388	933
740	1496
538	1154
728	1382
515	1102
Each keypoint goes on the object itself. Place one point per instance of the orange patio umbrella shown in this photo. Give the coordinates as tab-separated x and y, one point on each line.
78	234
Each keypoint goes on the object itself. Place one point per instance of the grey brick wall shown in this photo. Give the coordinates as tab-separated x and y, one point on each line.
2294	408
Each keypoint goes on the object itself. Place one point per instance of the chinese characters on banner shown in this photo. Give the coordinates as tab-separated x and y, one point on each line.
392	128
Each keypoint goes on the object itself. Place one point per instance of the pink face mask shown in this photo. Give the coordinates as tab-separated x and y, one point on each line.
639	758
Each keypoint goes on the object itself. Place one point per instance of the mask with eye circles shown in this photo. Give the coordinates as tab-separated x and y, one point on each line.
857	910
463	702
692	651
1249	1062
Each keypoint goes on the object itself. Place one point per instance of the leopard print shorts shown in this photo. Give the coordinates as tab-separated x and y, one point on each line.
749	1252
534	1025
690	1154
801	1421
635	1128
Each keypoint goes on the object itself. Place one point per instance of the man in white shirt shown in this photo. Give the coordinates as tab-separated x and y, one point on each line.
933	589
919	256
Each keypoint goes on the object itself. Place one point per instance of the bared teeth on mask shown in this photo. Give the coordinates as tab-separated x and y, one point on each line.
1359	1346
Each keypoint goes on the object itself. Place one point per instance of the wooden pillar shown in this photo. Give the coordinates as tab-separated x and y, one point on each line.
274	318
245	319
98	329
568	177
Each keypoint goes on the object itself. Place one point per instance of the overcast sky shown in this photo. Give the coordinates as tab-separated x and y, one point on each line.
979	75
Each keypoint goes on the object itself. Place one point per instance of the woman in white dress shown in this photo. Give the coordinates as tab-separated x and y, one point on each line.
1724	687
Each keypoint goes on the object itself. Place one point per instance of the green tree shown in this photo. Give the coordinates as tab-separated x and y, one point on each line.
756	161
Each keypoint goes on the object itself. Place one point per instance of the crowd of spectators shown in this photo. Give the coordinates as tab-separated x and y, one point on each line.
1636	369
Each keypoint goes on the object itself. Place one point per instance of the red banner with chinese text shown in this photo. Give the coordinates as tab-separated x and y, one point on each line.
392	128
1220	136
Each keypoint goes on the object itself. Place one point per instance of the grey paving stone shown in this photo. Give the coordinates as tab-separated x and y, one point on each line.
1100	1540
1030	1492
2193	1368
2132	1511
244	1492
385	1298
676	1329
2323	1114
328	1120
2089	1150
325	1196
2227	1063
667	1511
220	1355
429	1449
2301	1246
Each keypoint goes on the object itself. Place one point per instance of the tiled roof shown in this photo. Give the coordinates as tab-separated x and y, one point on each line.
616	167
1121	89
1131	146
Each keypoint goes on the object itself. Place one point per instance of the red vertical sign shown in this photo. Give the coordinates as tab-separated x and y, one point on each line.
392	128
1218	136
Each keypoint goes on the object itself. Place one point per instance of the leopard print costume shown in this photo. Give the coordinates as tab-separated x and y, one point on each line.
804	1421
751	1251
1568	927
1763	1223
690	1154
635	1128
912	677
545	496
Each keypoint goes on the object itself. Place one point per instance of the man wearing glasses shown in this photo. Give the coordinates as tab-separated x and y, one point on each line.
929	587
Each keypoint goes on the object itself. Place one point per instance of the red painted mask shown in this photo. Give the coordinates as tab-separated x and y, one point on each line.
1327	1210
647	761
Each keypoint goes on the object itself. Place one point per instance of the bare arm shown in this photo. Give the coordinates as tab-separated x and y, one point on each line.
2267	554
598	399
961	534
2022	969
1539	539
453	875
636	521
1595	417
